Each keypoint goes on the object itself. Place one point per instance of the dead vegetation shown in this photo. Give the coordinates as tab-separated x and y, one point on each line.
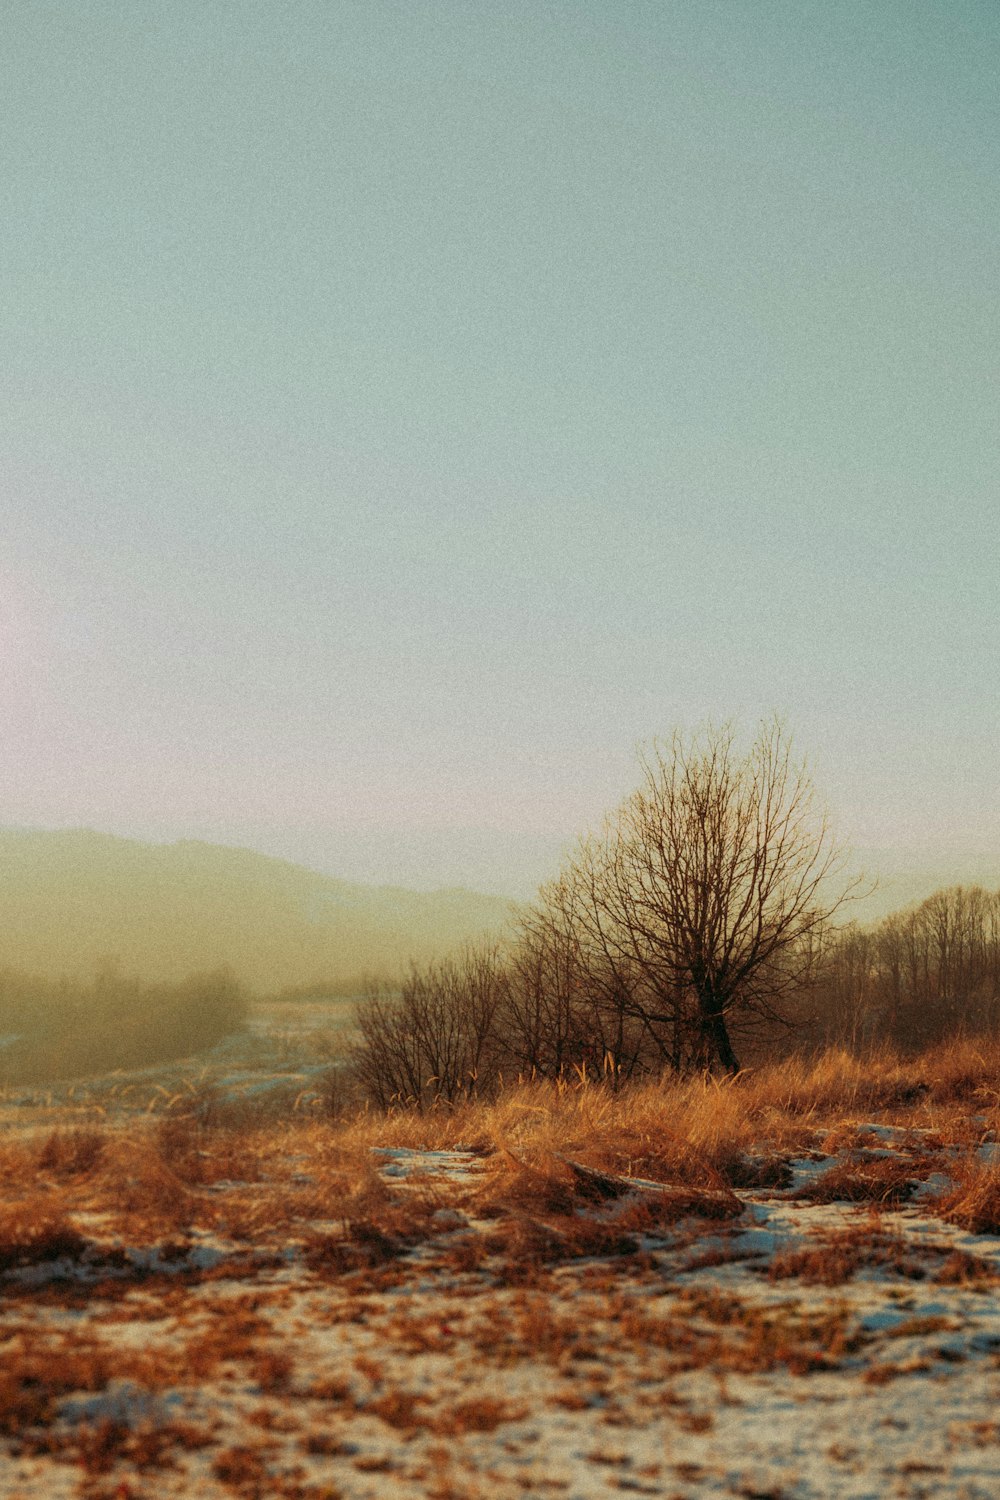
35	1231
974	1201
376	1286
834	1258
554	1170
861	1179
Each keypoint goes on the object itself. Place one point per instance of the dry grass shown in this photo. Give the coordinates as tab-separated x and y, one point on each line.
675	1128
837	1256
559	1164
35	1231
554	1175
962	1268
874	1180
974	1201
407	1412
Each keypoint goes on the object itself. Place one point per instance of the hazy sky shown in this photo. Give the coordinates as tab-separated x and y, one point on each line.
408	407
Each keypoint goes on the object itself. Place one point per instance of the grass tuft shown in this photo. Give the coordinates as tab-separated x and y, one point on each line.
974	1201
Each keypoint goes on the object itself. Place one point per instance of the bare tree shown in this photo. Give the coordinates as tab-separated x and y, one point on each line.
540	1017
637	995
713	883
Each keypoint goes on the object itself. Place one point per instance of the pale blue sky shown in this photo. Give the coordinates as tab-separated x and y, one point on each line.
406	408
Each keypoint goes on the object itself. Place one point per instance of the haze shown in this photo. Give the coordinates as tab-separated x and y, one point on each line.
410	407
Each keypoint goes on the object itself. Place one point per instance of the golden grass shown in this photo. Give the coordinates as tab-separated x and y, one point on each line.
555	1164
974	1201
35	1231
962	1268
835	1257
680	1125
878	1180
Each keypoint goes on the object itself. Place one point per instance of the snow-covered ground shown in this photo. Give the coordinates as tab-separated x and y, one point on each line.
800	1348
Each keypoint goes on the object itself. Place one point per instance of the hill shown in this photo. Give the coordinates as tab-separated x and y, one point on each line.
71	901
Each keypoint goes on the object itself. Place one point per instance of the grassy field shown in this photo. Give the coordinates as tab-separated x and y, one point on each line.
780	1286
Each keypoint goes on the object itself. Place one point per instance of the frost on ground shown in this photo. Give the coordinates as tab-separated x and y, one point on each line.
487	1328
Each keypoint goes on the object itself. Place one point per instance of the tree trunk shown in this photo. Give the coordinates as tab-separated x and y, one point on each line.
716	1032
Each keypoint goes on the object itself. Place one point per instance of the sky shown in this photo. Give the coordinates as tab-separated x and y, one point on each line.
408	409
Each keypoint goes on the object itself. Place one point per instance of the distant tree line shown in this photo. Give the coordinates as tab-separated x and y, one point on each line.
920	975
54	1029
541	1006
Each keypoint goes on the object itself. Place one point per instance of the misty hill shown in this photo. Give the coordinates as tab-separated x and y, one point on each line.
71	901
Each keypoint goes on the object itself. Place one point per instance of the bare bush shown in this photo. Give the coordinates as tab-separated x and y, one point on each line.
436	1037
